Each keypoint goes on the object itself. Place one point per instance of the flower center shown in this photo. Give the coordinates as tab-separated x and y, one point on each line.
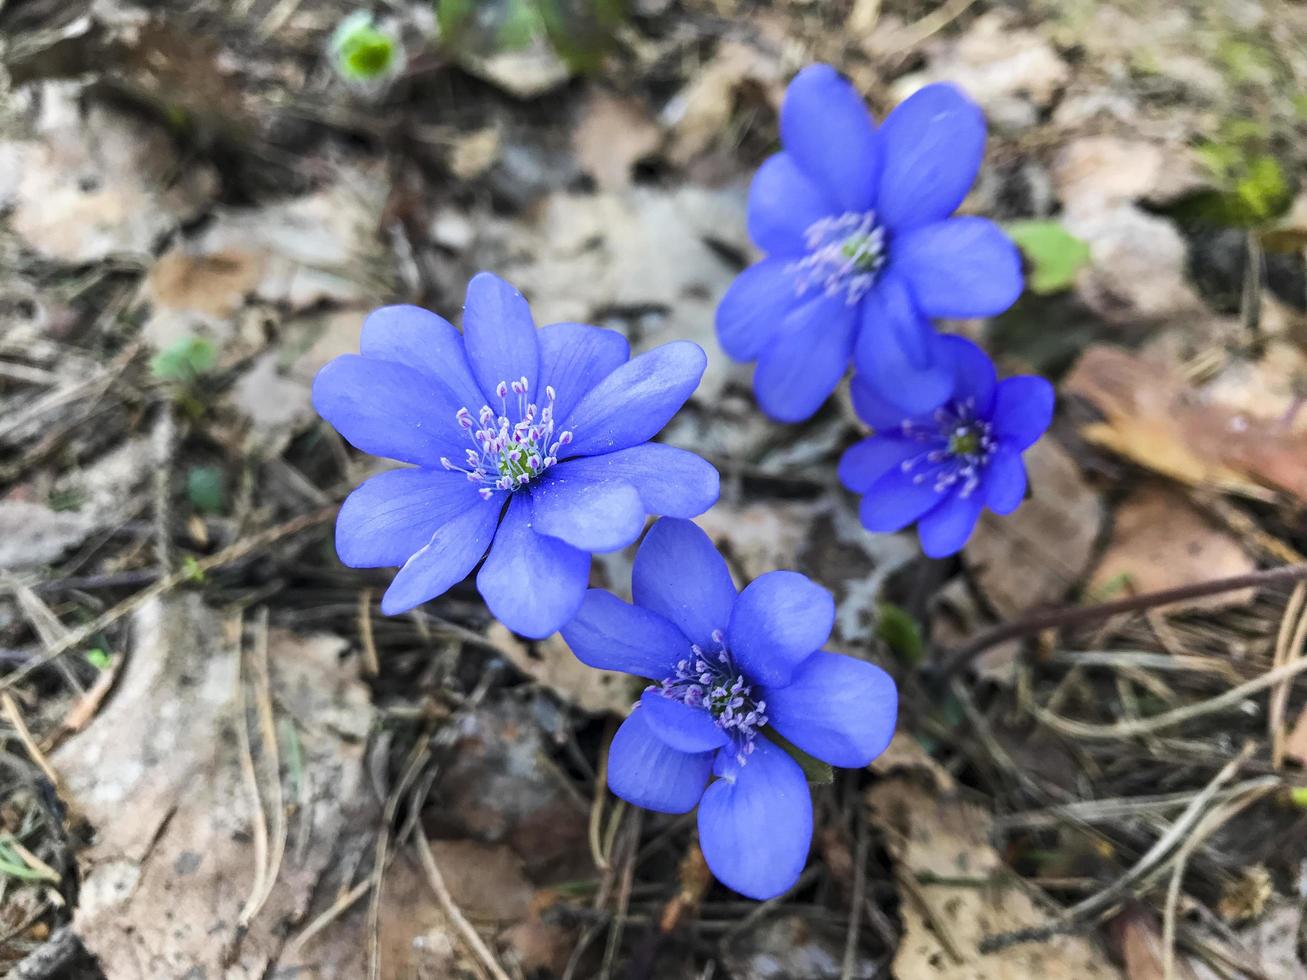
845	255
507	455
710	680
956	449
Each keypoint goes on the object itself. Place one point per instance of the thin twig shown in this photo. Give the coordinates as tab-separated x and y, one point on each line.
371	663
240	549
451	909
1288	647
860	851
1040	620
1135	727
251	776
597	806
338	908
1153	858
25	736
1220	815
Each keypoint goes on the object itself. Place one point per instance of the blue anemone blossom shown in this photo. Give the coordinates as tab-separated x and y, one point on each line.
861	248
941	468
529	447
728	668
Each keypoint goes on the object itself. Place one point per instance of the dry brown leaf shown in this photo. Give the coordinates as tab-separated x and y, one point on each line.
322	248
611	137
1041	552
1161	541
1159	422
1013	73
98	182
931	834
1136	931
159	777
700	113
579	257
486	881
551	662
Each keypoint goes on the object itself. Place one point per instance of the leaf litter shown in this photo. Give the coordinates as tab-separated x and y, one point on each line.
225	190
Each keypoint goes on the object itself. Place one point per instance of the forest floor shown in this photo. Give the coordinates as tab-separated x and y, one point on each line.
217	757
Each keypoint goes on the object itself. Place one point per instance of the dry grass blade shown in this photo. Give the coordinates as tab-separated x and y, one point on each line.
25	736
235	552
451	909
1134	727
1288	647
1153	859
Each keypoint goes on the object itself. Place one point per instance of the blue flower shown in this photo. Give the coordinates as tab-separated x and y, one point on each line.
861	248
728	668
531	445
942	467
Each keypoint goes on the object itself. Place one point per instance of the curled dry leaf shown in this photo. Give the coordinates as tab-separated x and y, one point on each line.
1155	419
929	834
1161	541
1041	552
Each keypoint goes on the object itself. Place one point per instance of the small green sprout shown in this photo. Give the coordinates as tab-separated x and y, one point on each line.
362	53
185	361
98	658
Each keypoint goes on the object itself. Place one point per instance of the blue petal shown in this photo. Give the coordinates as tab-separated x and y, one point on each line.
671	482
962	267
755	825
500	336
801	367
532	584
420	339
610	634
932	143
682	727
679	575
839	709
589	511
1005	481
973	373
751	311
825	126
392	515
645	771
946	528
778	621
896	352
574	358
387	409
874	408
783	203
897	499
1023	410
867	461
633	403
445	559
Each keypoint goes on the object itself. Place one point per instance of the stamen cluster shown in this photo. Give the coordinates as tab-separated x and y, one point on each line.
845	254
508	455
712	681
961	444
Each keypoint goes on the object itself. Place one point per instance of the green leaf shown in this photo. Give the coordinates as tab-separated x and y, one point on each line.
205	486
817	773
98	659
184	361
1055	255
901	633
